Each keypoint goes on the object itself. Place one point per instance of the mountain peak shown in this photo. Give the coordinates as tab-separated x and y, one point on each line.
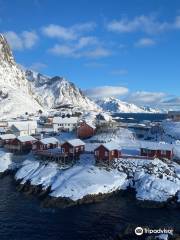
5	51
112	104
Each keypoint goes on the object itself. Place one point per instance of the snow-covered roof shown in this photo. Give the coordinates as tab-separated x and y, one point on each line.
76	142
7	136
26	138
111	146
50	140
65	120
156	146
24	125
2	129
90	124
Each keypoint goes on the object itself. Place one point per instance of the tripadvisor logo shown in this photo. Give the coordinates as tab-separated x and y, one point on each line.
139	231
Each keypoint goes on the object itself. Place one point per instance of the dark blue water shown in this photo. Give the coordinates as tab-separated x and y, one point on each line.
138	117
23	218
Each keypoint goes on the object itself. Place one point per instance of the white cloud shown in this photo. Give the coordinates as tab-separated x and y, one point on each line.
143	97
173	102
29	39
67	33
24	40
62	50
14	40
98	53
119	72
85	47
106	91
38	66
145	42
147	24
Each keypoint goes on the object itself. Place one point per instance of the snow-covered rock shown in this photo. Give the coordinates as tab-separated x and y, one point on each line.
53	92
81	181
73	183
5	161
115	105
153	180
15	94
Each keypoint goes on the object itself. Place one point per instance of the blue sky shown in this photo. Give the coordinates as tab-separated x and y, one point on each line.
132	46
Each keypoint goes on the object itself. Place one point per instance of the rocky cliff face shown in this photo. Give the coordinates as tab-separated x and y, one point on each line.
53	92
15	94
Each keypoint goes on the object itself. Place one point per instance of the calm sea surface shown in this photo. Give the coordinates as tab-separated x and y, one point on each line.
23	218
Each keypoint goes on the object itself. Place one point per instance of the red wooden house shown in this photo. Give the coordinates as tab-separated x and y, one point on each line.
156	150
45	144
107	152
21	144
85	130
73	148
6	139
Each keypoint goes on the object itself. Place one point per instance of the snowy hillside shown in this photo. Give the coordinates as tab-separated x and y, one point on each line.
57	91
115	105
15	95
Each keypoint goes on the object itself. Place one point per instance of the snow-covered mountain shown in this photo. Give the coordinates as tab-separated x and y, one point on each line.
115	105
15	94
53	92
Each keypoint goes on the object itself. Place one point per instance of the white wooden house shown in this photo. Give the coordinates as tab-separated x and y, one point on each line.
64	124
23	128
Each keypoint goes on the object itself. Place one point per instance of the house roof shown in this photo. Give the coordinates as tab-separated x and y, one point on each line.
26	138
50	140
90	125
23	126
156	146
76	142
7	136
2	129
110	146
65	120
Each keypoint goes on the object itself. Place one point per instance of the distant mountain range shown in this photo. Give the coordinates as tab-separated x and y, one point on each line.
27	91
115	105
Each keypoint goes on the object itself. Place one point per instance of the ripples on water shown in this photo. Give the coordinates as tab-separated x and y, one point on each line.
22	217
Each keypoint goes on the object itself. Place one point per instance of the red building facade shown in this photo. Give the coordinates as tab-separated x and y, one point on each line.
157	150
73	148
85	130
107	152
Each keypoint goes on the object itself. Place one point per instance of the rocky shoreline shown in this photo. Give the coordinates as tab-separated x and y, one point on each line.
48	201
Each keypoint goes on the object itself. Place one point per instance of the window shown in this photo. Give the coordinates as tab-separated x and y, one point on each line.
145	151
62	150
96	153
163	152
112	152
106	153
77	149
71	150
82	148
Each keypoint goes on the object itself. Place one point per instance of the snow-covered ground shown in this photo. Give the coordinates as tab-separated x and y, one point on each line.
5	161
153	180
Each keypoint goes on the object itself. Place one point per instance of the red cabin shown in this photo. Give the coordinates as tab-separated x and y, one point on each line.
45	144
21	144
107	152
85	130
156	150
73	148
6	139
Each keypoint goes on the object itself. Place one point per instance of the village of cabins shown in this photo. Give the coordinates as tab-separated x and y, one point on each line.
44	140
